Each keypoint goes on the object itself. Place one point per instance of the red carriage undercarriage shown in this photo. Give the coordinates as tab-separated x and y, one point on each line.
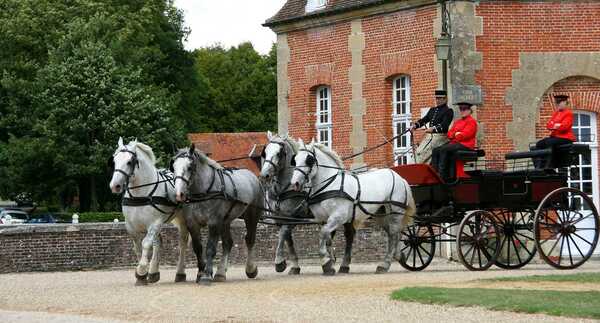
502	215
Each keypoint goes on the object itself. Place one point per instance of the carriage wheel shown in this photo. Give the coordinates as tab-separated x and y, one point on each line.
517	246
477	241
567	219
417	247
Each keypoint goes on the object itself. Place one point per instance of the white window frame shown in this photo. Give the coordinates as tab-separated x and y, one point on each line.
312	5
402	118
324	124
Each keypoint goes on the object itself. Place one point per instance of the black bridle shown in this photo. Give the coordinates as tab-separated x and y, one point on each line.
132	163
280	156
192	159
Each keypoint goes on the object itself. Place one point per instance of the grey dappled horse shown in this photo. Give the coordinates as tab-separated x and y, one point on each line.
214	197
276	173
148	203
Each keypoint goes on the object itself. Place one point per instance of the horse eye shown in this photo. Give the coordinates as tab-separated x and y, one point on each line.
310	160
129	163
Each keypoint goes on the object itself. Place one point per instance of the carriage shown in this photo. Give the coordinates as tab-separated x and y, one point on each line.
502	213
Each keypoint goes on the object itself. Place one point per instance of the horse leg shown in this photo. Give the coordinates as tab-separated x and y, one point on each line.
295	270
392	228
251	220
184	237
147	243
154	273
214	232
349	233
221	275
197	247
327	258
280	263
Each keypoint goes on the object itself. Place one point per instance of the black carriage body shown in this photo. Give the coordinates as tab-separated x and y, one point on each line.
487	190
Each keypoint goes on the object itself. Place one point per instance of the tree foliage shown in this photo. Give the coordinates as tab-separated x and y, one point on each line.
239	88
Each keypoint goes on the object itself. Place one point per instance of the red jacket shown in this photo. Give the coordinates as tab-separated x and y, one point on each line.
563	118
464	132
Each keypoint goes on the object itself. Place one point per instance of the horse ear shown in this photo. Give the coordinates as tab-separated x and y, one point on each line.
312	142
120	143
269	135
301	142
171	166
174	148
192	148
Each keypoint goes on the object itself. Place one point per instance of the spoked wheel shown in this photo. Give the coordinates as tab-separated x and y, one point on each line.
566	228
417	247
478	241
517	246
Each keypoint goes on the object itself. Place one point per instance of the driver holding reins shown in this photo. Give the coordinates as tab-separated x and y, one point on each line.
439	119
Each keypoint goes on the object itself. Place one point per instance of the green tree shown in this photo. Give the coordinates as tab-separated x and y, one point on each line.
239	88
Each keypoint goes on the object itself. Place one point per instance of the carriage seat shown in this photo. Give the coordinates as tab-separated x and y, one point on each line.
556	157
466	156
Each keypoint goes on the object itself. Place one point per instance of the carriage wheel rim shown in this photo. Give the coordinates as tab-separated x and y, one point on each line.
481	247
566	231
414	256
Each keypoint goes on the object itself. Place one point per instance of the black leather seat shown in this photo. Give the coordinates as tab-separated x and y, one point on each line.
470	155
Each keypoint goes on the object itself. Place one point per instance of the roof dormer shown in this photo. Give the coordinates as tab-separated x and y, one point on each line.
313	5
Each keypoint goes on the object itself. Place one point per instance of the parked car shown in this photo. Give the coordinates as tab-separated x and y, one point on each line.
16	216
47	218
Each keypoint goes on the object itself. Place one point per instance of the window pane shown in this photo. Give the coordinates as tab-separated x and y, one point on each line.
586	173
587	188
574	174
585	120
576	120
585	135
586	158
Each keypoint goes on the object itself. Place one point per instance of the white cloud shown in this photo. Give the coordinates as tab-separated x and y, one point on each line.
229	22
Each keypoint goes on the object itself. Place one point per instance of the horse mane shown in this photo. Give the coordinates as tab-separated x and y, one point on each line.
293	143
332	154
203	158
146	151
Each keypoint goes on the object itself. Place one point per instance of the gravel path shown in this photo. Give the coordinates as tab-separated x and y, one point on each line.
102	296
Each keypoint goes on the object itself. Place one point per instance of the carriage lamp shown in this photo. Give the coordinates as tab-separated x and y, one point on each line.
442	47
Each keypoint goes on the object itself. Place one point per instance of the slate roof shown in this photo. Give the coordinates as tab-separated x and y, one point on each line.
222	146
293	10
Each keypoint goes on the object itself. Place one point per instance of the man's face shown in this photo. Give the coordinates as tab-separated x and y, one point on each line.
439	100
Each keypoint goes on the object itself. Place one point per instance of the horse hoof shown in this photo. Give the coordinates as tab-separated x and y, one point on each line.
281	267
344	270
252	275
219	278
204	281
328	268
141	280
154	277
294	271
381	270
180	278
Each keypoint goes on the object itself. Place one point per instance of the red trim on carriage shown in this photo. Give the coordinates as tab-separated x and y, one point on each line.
418	174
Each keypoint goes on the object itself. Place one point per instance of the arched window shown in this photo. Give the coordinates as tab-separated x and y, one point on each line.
401	119
324	119
312	5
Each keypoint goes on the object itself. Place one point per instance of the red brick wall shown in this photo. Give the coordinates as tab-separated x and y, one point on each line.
398	43
320	57
514	27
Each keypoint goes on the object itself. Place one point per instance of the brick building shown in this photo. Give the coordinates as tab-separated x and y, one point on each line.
353	72
227	146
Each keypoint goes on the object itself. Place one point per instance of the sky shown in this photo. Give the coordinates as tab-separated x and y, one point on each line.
229	22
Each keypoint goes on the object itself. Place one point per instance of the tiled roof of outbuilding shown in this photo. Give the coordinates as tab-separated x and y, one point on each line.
295	9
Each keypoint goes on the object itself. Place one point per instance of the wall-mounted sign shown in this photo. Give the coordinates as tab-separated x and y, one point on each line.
467	93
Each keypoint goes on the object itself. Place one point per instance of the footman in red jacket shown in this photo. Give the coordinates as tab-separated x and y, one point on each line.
462	136
560	126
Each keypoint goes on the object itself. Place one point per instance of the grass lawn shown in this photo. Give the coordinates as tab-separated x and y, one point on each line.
593	278
558	303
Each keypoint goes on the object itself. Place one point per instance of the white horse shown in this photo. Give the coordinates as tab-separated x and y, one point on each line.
288	204
339	197
147	205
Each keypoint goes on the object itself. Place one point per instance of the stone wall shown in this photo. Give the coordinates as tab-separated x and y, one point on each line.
64	247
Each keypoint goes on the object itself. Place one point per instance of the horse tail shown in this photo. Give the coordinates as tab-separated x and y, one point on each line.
411	207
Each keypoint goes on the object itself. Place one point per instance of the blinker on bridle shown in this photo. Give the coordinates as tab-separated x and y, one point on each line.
280	155
172	169
311	161
133	163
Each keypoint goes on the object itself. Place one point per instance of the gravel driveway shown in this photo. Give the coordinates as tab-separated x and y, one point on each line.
101	296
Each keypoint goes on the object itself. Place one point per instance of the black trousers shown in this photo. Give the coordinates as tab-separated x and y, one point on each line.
545	143
443	159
